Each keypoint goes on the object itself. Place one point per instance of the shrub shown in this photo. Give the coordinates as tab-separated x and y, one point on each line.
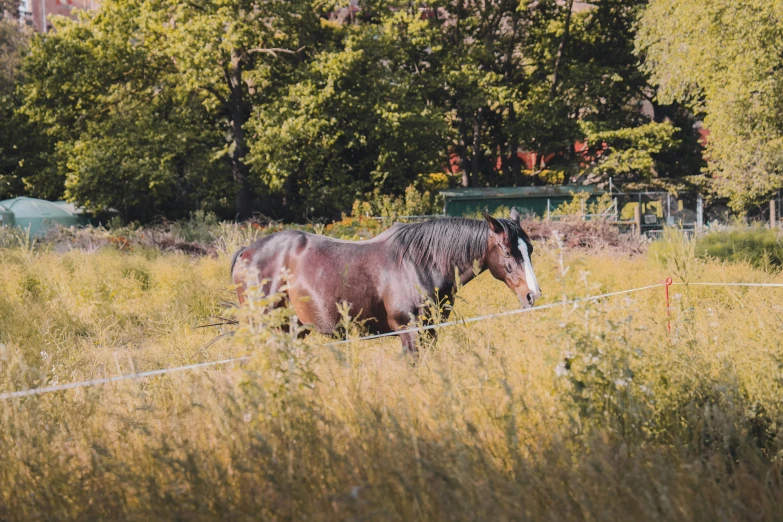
757	246
415	202
579	205
199	227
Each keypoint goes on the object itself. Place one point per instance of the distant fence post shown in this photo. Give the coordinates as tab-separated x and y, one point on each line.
773	216
637	217
699	214
547	210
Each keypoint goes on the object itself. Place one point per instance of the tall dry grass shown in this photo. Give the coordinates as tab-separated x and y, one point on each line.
589	412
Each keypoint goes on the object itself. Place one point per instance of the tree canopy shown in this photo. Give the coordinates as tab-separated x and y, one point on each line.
723	60
26	163
295	108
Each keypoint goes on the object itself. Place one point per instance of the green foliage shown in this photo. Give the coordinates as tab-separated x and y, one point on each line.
156	166
143	123
630	154
161	108
26	166
599	375
496	63
413	203
13	42
722	59
357	120
579	205
354	227
758	246
200	226
127	137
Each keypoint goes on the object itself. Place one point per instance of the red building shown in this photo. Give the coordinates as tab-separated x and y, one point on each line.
38	11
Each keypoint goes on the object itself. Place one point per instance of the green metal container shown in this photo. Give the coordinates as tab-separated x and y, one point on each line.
531	200
38	215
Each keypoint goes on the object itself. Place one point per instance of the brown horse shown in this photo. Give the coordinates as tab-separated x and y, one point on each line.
387	280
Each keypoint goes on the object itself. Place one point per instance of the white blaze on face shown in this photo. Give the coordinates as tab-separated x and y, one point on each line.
530	276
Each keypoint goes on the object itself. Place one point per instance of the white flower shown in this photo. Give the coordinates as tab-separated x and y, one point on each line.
592	359
560	370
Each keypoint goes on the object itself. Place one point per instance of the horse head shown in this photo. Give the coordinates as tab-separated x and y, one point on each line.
509	251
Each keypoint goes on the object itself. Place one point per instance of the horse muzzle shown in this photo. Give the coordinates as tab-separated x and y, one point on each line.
529	299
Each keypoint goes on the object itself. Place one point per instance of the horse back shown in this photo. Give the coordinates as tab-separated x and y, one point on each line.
322	272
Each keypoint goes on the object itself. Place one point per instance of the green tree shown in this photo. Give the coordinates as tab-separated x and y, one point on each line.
160	107
629	155
127	137
494	88
606	91
723	59
234	53
539	76
25	151
358	118
147	99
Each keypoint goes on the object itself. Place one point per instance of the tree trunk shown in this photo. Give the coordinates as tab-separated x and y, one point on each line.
467	179
561	48
240	112
244	196
290	191
516	167
513	143
516	164
475	164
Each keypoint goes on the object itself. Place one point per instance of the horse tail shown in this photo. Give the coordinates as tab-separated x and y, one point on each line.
235	257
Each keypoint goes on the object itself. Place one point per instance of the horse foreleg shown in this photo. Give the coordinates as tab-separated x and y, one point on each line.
409	342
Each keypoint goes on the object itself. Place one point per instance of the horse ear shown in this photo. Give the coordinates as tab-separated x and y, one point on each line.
494	224
515	215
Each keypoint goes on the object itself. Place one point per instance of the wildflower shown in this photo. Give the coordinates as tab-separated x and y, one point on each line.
591	359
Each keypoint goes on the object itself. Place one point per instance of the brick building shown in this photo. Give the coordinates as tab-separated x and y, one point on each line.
37	11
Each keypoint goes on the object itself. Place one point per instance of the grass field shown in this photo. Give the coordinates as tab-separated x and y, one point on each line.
589	412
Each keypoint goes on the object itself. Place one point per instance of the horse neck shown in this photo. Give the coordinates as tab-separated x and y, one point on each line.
440	247
465	274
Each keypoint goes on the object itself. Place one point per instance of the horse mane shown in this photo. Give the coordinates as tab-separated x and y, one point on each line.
446	243
235	257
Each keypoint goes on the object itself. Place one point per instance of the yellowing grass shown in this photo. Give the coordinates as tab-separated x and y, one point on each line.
589	412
